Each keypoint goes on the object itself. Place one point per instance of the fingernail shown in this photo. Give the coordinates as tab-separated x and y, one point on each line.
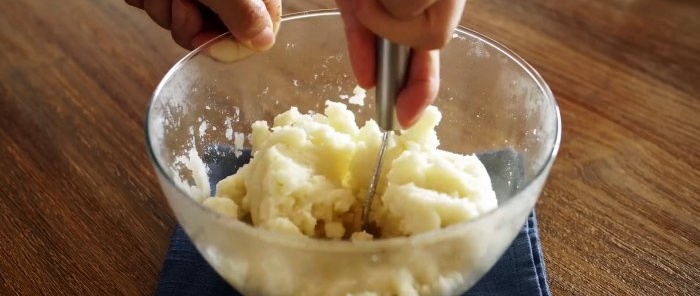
264	40
179	15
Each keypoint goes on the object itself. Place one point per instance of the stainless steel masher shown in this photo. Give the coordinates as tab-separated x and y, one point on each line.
392	70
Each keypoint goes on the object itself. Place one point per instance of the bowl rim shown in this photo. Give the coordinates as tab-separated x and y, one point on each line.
346	245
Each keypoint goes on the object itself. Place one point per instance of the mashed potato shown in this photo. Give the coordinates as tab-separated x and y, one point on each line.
310	172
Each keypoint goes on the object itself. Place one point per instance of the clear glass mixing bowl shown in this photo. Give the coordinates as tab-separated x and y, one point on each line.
490	99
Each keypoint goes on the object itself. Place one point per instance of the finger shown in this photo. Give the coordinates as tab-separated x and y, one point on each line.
421	87
212	26
135	3
159	11
361	43
248	21
406	9
430	30
186	22
274	8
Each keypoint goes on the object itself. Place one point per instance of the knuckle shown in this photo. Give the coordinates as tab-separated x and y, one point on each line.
402	10
436	35
251	20
435	38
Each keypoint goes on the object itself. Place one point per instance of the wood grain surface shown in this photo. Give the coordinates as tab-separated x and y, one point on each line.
81	212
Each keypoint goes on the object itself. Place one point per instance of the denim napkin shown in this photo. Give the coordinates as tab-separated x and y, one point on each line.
519	272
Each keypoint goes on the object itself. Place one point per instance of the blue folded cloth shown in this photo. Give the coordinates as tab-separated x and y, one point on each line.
519	272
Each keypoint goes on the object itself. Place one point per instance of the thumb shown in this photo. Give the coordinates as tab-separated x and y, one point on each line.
248	20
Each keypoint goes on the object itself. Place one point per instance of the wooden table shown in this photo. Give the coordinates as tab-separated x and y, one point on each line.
81	212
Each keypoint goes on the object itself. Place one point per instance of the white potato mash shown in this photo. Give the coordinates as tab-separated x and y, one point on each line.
310	172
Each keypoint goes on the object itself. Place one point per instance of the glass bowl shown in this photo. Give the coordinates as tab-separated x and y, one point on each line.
491	100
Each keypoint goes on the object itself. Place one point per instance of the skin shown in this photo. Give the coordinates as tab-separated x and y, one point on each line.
424	25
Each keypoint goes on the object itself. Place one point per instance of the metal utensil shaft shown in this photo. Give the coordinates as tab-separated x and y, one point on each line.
375	180
392	67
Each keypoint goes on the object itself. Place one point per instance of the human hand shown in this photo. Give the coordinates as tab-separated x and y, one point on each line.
194	22
424	25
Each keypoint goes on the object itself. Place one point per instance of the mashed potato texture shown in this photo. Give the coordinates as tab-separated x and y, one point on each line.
310	172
